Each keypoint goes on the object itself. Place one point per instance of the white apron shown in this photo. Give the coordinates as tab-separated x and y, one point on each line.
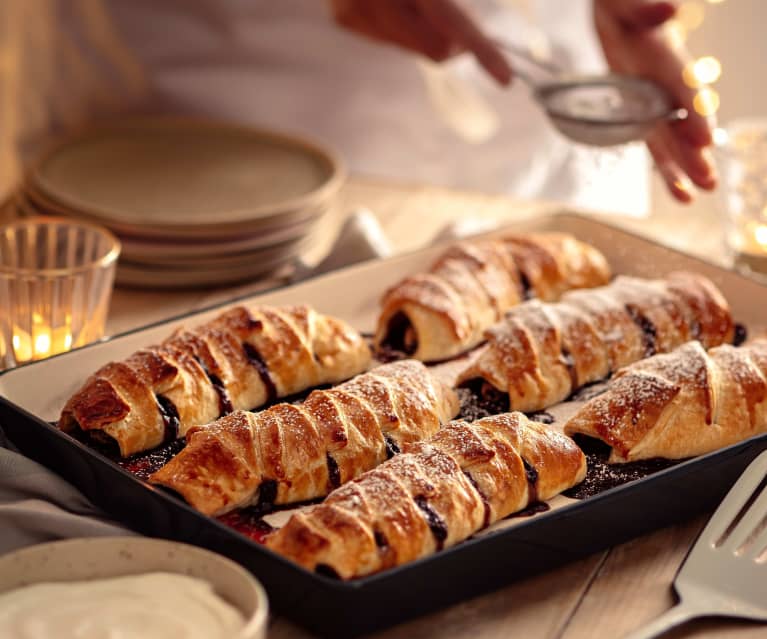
285	64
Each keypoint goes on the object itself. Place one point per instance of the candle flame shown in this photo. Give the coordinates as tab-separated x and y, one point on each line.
42	344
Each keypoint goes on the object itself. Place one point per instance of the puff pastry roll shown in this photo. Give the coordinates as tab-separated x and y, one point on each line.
439	314
540	353
680	404
432	496
242	359
291	453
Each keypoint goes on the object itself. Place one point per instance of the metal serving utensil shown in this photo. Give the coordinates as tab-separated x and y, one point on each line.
725	573
598	110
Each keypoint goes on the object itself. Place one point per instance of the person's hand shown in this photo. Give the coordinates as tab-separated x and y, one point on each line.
437	29
636	41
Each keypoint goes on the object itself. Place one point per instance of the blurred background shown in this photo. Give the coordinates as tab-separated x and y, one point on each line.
727	38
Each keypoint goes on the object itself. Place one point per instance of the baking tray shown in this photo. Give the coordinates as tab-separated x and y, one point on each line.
32	395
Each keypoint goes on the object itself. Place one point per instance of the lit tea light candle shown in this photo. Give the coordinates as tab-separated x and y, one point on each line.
42	342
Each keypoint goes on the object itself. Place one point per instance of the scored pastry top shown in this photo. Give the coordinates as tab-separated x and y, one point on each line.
541	352
242	359
433	495
680	404
289	453
443	312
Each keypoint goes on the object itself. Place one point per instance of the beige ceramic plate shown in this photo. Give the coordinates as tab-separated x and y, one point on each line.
169	250
169	172
105	557
223	259
33	201
169	277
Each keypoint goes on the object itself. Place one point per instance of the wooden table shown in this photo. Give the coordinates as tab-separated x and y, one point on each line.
605	595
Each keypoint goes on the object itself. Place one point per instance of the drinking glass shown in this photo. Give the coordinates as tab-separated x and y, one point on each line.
56	278
742	160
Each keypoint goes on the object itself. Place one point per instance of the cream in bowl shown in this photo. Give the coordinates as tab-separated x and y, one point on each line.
127	587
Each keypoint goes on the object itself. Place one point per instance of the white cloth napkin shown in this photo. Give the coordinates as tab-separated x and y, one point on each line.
37	505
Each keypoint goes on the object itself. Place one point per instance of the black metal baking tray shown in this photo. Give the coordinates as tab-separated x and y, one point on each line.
331	607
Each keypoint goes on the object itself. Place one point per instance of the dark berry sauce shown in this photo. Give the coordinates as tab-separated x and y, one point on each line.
601	476
532	480
400	341
436	524
526	287
248	522
478	400
142	465
485	503
542	417
392	447
334	474
532	509
649	332
254	357
170	419
740	335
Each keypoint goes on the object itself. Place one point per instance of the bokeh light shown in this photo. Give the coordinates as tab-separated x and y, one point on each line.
706	102
705	70
690	15
721	137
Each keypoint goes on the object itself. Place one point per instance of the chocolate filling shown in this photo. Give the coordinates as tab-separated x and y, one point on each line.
254	357
381	541
170	418
649	332
740	334
400	341
527	288
485	503
437	525
532	481
267	494
224	403
334	475
392	447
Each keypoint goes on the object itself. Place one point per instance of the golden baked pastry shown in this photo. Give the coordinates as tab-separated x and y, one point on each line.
680	404
540	353
432	496
242	359
291	453
436	315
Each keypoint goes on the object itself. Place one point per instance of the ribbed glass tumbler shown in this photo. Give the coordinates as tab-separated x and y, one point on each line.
56	278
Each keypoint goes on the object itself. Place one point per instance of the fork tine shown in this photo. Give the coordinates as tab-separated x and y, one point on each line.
758	546
736	498
748	524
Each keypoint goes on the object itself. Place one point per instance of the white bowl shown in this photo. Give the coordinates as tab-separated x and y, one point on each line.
105	557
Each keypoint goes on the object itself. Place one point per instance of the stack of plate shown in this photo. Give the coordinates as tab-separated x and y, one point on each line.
194	203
